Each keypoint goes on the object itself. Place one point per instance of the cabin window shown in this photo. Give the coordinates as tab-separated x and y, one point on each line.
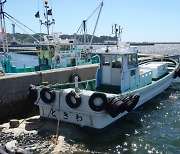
38	48
106	60
116	61
44	47
132	61
51	47
65	47
133	72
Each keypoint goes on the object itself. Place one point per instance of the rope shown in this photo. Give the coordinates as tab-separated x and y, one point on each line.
108	15
43	7
52	17
47	117
81	26
21	28
94	11
31	111
58	122
6	14
39	21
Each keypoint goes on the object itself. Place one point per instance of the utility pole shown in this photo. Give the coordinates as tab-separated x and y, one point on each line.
3	27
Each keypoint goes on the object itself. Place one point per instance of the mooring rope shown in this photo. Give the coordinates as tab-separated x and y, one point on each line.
30	112
58	122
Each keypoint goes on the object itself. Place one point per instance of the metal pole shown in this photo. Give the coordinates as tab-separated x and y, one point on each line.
6	43
84	26
115	28
96	22
47	20
2	24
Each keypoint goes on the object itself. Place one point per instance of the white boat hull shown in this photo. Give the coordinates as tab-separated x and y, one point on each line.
85	116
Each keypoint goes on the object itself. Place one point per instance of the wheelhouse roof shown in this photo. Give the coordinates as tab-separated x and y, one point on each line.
117	51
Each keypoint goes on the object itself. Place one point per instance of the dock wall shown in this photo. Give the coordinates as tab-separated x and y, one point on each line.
14	88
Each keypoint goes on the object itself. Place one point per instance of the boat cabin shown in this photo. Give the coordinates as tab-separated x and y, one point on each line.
119	70
46	52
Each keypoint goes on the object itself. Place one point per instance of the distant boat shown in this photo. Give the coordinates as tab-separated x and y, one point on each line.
63	53
53	52
141	43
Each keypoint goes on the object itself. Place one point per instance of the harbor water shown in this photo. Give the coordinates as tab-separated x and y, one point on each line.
152	128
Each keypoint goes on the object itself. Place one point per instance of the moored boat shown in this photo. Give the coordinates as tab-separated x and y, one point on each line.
121	85
53	52
60	53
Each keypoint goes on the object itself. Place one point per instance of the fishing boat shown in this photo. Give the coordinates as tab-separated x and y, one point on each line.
122	84
53	52
63	53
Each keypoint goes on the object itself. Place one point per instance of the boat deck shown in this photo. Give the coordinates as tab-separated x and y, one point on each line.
87	85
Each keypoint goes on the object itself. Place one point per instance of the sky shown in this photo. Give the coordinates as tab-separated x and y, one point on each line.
141	20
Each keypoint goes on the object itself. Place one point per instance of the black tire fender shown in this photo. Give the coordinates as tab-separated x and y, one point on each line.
115	107
69	101
32	94
50	92
92	104
178	72
175	74
72	77
132	102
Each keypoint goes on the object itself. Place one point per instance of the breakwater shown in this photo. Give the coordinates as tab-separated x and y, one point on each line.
14	88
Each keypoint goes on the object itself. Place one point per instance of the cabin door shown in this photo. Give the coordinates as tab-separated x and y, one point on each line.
106	70
116	70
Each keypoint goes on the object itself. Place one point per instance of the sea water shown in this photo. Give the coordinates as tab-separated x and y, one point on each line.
152	128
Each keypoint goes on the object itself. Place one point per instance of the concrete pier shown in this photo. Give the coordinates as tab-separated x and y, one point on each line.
14	88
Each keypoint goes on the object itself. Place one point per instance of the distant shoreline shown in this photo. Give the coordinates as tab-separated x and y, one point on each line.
131	43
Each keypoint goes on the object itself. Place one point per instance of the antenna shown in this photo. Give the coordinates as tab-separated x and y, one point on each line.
117	30
48	12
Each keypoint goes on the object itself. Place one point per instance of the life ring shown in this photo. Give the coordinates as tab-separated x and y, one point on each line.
115	107
44	98
92	104
132	102
72	77
32	94
70	102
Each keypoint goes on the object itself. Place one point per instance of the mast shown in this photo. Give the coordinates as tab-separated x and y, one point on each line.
3	27
101	5
48	12
85	31
83	26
